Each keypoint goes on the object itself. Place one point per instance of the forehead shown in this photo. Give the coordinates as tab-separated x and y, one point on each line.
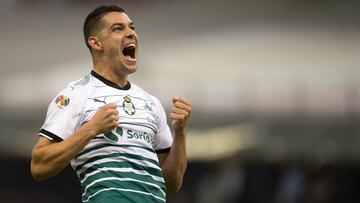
116	17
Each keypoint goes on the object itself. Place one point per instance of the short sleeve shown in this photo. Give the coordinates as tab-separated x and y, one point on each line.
62	116
164	139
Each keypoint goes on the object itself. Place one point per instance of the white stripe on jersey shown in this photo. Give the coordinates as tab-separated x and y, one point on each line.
156	178
126	190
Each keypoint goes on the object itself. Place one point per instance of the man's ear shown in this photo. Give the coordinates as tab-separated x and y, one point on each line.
95	43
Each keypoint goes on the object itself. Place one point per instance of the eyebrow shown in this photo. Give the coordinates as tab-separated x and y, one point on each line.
130	24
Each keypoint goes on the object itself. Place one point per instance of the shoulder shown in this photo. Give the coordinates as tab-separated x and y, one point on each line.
75	91
80	84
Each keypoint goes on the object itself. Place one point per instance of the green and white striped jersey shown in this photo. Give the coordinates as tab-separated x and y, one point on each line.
121	165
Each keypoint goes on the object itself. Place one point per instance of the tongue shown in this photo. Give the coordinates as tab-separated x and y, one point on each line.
128	57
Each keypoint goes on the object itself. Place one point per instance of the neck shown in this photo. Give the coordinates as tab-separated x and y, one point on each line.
108	73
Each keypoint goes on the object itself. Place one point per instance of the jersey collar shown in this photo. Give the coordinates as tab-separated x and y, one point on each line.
110	83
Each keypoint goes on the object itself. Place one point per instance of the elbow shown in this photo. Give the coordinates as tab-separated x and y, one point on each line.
36	172
37	168
37	177
174	185
173	190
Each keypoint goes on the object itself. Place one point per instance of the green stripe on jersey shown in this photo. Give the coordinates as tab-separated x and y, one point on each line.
150	170
116	155
122	183
117	171
112	195
112	145
110	173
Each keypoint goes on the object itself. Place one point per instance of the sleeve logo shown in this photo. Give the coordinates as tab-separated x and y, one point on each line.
61	101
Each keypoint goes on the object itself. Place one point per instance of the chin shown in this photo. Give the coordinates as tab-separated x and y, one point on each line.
132	70
126	70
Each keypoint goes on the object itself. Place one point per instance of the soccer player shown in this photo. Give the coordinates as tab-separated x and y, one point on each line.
112	132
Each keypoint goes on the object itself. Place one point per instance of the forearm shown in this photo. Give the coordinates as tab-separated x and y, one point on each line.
50	159
175	163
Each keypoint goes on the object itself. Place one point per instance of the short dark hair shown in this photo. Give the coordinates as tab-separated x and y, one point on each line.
93	22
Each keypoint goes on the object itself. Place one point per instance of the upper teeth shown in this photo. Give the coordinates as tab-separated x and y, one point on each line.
131	45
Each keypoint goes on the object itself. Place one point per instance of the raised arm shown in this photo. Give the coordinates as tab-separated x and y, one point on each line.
174	163
49	157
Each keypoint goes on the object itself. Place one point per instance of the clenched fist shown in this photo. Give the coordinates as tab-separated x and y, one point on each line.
180	114
105	119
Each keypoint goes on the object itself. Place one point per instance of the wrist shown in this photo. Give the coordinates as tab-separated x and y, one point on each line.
89	130
180	132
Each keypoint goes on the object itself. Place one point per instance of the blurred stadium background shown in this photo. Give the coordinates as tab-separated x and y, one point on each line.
274	85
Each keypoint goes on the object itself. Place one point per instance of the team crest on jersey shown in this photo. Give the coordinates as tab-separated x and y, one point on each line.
62	101
128	106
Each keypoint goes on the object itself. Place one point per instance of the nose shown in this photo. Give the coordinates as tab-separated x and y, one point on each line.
131	34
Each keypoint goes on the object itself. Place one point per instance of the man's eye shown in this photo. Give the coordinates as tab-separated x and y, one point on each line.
118	28
132	27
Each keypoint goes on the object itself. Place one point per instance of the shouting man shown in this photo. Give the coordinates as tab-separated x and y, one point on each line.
114	134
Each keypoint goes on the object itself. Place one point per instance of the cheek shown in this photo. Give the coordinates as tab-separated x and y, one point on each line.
113	52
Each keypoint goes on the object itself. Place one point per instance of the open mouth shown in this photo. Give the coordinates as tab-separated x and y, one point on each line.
129	52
